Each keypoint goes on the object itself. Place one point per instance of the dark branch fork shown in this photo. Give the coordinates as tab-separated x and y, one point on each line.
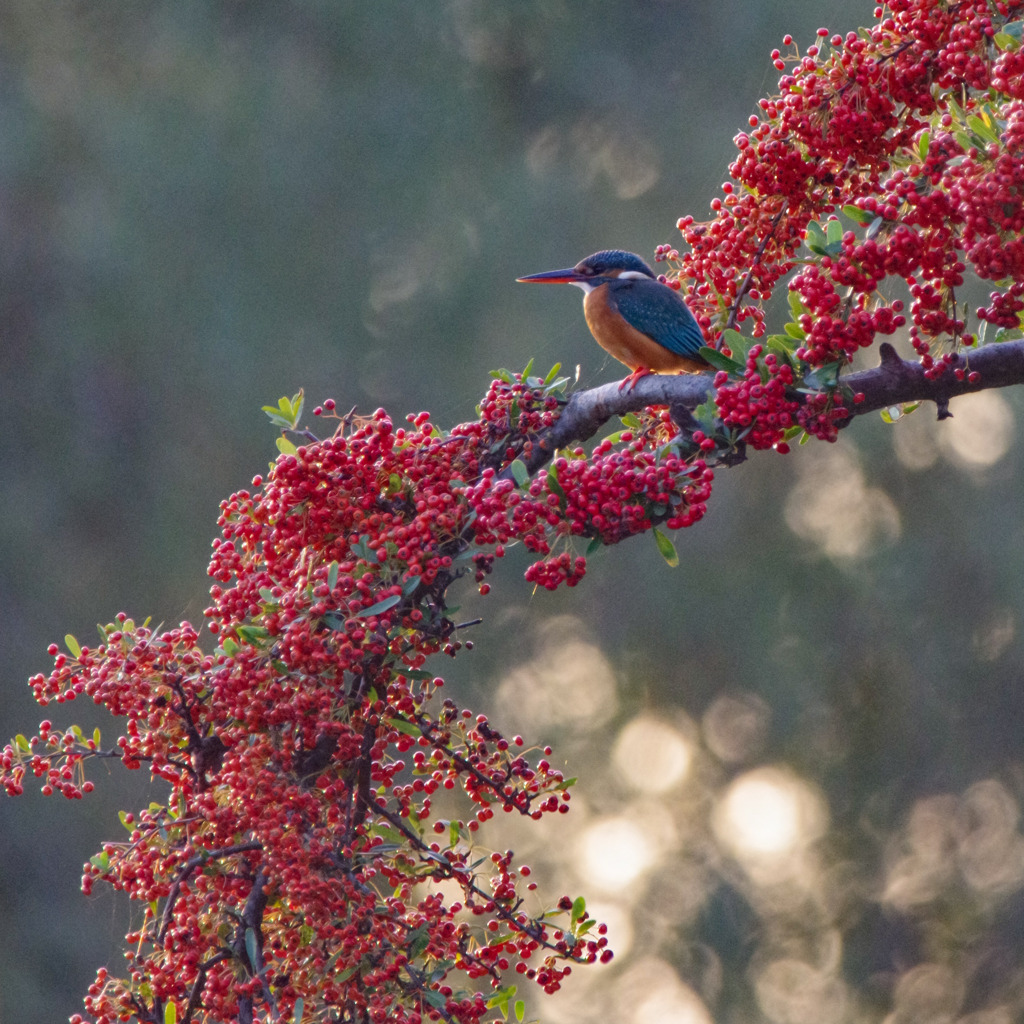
892	382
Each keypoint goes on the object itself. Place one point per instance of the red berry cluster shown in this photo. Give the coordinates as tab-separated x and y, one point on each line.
299	852
914	130
758	408
623	488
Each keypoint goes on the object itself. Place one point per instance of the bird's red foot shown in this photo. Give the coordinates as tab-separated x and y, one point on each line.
629	383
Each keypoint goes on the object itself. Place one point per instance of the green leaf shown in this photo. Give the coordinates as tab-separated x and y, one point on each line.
501	998
252	948
361	549
553	485
418	940
833	232
579	909
171	1013
666	547
737	343
381	606
436	1000
814	238
22	743
252	634
285	447
72	645
595	543
795	331
453	835
229	647
796	304
552	374
101	861
410	585
121	816
982	125
922	145
520	1009
332	575
520	473
526	372
720	362
297	1013
409	728
858	216
345	974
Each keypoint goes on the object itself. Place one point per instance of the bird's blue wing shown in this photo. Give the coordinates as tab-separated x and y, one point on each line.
659	312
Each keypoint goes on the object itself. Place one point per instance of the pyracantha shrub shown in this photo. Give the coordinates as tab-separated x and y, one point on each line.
320	855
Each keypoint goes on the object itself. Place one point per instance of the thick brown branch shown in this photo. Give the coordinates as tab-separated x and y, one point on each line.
893	381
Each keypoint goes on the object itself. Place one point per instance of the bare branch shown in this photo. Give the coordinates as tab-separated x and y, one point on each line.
892	382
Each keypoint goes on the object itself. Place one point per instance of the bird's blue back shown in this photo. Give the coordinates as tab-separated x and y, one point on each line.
659	312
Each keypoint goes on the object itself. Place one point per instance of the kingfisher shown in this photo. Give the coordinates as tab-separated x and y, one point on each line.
632	315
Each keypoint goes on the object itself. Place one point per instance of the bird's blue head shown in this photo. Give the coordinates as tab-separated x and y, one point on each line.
596	269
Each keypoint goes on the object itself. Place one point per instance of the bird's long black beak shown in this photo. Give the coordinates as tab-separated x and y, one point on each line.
568	276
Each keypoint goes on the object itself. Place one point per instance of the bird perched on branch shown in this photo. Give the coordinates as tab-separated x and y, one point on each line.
632	315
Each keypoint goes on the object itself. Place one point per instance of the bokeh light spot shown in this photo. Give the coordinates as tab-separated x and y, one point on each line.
614	852
833	508
769	812
980	431
651	755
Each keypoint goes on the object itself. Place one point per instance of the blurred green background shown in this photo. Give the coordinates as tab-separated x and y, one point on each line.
799	752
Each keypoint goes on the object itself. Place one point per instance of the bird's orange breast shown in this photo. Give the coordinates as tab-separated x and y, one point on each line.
622	340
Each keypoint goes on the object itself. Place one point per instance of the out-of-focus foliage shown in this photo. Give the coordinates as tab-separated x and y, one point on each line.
804	742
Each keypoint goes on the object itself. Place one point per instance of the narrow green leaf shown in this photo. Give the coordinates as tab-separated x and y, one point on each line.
579	909
229	647
21	742
666	547
381	606
892	414
529	367
553	485
833	232
552	374
795	331
922	145
520	1008
345	974
453	835
297	1012
72	645
594	544
436	1000
520	473
285	447
409	728
332	575
858	216
171	1013
121	816
410	585
720	362
252	948
252	634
